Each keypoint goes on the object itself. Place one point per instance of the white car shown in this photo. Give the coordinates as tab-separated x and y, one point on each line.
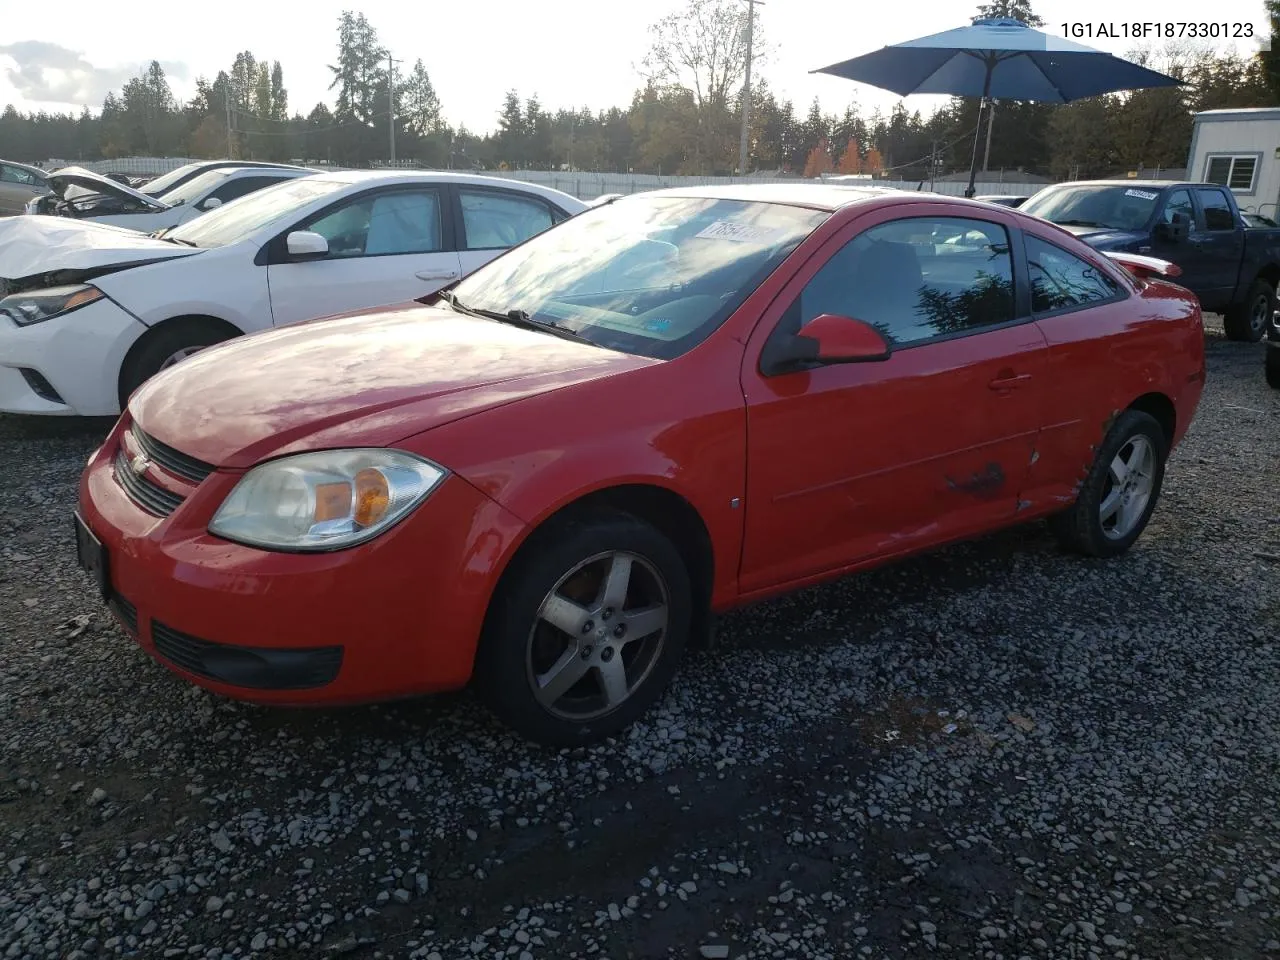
89	312
161	185
84	195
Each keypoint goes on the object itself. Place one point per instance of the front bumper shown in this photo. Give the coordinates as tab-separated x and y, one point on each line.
398	616
67	366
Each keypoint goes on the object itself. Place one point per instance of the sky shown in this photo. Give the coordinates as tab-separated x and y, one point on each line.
583	53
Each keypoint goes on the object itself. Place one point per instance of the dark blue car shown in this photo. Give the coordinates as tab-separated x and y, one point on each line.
1232	267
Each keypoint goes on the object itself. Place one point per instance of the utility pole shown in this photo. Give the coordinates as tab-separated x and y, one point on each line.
391	103
227	92
933	165
991	116
746	87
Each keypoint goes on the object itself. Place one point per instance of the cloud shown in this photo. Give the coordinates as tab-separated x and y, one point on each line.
45	72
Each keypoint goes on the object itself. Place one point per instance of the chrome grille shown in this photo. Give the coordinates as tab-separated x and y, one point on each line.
145	493
169	459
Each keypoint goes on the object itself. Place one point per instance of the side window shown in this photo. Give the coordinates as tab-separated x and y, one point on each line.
496	220
402	221
234	189
1179	201
917	278
17	175
1060	280
1217	211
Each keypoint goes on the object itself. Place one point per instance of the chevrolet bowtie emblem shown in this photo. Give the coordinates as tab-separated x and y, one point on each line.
139	465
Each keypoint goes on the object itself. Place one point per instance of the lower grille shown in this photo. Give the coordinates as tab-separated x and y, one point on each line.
127	613
41	387
258	668
145	493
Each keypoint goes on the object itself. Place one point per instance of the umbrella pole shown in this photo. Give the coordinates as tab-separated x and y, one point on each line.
977	134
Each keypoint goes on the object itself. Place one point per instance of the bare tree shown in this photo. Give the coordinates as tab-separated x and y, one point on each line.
702	50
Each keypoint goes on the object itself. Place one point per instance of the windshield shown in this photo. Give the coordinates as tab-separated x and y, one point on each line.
237	220
196	187
1113	207
157	187
647	275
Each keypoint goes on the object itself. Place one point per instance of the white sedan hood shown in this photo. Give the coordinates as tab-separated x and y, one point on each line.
92	182
38	245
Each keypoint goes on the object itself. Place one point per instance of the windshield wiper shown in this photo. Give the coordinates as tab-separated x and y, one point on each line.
517	318
1081	223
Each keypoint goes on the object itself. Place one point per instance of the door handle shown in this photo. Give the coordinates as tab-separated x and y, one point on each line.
1009	380
436	274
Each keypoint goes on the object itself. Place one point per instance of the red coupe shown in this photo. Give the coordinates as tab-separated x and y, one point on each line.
547	478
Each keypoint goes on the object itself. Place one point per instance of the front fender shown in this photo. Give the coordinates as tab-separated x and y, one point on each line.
685	434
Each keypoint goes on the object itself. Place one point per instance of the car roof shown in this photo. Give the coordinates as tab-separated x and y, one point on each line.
816	195
228	173
25	166
441	176
1149	184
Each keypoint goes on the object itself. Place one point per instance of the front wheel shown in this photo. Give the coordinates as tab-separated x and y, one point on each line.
585	631
166	346
1247	321
1120	493
1273	365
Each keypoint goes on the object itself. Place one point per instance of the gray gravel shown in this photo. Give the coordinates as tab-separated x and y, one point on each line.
995	751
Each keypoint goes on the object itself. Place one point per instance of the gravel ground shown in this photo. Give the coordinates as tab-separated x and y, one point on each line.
995	751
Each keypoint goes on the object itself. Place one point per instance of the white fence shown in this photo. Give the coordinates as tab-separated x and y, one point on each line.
587	185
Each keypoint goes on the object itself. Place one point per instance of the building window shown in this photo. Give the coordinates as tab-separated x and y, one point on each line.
1235	172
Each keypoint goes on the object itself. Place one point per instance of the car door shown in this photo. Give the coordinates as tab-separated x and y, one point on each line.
493	220
854	461
1195	272
17	187
1081	306
386	245
1217	244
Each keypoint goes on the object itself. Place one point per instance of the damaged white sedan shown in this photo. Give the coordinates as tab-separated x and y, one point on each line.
84	195
89	312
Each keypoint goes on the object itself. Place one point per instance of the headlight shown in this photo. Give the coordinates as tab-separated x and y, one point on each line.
324	501
25	309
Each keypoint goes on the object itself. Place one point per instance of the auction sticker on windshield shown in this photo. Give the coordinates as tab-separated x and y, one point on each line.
1141	194
740	232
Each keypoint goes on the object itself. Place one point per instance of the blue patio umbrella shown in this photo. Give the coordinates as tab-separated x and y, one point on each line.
997	59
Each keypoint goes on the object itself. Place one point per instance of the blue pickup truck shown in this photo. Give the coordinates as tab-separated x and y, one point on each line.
1232	266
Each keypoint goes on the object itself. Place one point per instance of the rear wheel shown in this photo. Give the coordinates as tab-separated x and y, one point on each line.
585	631
167	345
1120	493
1247	321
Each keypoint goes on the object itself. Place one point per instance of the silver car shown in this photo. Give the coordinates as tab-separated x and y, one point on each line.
19	183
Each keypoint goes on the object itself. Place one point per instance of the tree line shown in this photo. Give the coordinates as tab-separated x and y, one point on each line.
683	119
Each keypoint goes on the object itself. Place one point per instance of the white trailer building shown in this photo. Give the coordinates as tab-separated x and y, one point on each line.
1240	149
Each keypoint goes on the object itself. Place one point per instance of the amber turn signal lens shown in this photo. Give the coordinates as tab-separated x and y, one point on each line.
373	496
333	501
88	295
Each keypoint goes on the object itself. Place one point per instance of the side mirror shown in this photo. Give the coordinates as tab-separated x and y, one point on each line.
1176	230
211	203
305	245
826	339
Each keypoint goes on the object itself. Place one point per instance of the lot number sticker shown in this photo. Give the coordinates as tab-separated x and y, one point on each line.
739	232
1141	194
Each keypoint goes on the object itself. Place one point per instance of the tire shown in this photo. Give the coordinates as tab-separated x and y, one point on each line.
1085	528
1248	320
161	346
563	572
1273	365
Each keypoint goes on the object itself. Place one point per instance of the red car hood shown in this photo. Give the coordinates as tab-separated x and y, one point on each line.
369	379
